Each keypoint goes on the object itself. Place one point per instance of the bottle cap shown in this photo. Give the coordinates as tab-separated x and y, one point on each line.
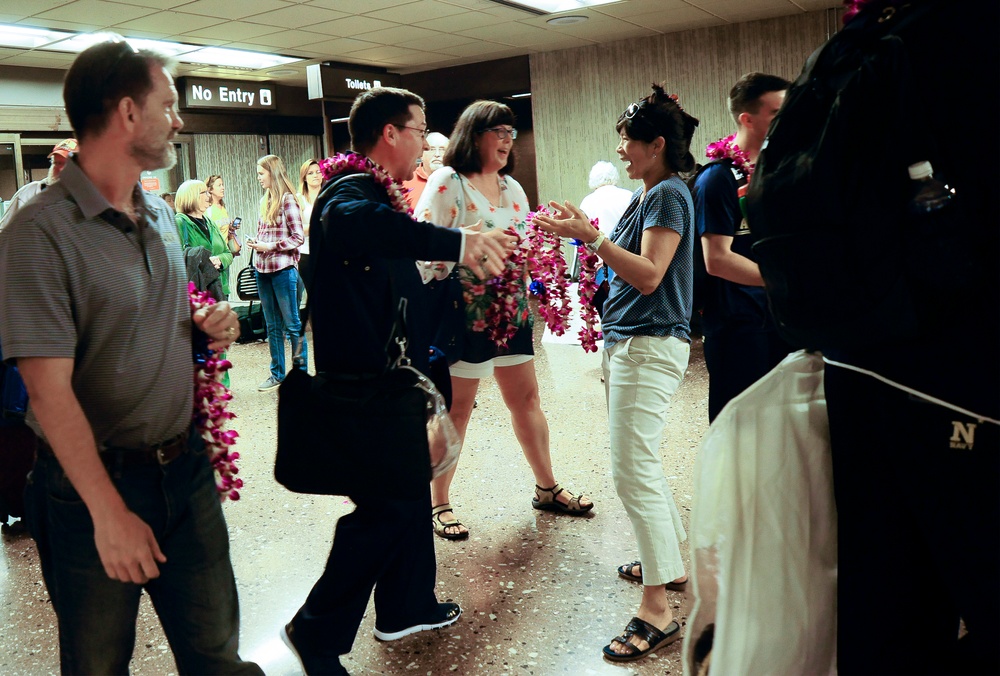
920	170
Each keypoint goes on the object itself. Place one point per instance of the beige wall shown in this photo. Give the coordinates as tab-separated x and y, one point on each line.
578	94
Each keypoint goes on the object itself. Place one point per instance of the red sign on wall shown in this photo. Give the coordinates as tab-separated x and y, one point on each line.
151	184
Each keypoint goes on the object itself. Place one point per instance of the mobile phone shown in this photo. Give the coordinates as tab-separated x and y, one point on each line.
236	223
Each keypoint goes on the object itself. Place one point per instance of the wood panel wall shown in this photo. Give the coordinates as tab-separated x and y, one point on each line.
578	94
234	157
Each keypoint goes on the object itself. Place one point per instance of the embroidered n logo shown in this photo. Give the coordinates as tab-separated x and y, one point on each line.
963	435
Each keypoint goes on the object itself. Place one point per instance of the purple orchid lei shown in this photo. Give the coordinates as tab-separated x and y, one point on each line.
543	254
726	147
343	163
210	417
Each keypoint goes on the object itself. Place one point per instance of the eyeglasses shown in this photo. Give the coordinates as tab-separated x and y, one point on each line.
502	132
633	109
205	192
423	132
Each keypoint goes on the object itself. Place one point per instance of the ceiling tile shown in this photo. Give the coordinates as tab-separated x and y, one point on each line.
156	4
726	8
231	31
71	26
513	33
232	9
39	60
287	39
329	48
352	26
436	41
460	22
508	13
412	35
384	52
636	7
15	11
95	11
813	5
172	22
352	6
750	13
474	49
298	16
413	12
676	20
471	4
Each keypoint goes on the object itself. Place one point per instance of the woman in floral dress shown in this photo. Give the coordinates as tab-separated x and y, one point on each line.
474	187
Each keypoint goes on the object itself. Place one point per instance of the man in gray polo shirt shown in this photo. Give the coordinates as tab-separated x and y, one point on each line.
96	314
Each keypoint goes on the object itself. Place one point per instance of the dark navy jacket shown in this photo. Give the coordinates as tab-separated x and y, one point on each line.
357	240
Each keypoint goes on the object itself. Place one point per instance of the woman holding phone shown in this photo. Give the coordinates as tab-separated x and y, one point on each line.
279	236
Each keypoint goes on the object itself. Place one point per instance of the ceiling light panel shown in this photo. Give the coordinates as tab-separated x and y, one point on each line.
553	6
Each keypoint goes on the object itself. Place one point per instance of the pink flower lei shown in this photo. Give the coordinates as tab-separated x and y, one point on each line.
726	147
344	163
210	417
543	252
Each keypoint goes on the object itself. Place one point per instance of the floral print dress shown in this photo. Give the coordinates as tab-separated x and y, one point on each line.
451	200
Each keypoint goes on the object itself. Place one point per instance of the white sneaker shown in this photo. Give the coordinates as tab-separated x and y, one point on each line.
448	613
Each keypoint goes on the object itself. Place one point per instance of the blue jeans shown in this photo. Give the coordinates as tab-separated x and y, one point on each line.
194	596
279	298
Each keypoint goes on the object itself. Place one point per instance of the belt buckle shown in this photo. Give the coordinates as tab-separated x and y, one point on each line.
159	456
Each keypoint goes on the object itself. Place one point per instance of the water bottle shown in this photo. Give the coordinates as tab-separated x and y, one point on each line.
932	194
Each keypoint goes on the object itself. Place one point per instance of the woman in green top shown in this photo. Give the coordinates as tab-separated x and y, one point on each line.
195	229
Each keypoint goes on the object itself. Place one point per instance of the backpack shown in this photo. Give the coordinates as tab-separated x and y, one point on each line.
845	263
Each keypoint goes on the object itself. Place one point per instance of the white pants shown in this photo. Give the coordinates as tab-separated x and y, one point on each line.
641	375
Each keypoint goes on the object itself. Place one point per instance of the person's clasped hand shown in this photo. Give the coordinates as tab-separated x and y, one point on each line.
486	252
220	323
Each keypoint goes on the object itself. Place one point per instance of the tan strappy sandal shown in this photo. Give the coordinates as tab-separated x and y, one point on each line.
545	498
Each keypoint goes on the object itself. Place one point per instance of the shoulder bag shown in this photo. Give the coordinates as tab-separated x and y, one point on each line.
364	435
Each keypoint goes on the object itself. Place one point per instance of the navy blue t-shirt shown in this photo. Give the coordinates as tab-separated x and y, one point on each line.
666	311
717	211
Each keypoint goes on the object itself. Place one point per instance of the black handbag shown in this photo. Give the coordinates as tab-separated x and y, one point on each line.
355	435
246	282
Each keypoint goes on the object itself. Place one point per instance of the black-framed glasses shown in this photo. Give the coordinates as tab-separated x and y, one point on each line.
502	132
423	132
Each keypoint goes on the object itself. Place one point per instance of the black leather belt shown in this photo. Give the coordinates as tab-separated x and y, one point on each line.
126	458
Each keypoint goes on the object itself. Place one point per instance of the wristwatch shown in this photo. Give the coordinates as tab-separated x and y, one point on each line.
596	244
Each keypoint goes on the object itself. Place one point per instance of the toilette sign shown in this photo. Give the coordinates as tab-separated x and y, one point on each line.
199	93
334	83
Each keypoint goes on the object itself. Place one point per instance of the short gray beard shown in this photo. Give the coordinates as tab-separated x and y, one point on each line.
152	159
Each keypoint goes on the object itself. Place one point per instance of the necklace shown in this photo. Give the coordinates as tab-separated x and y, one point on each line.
344	163
726	147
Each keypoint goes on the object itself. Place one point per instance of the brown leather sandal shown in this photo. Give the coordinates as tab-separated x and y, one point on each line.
545	498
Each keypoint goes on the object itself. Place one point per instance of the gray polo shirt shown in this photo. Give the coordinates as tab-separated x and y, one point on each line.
78	279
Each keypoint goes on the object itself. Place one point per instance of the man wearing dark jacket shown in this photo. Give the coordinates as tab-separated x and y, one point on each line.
366	248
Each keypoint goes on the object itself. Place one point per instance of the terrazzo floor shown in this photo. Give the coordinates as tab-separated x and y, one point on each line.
539	591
